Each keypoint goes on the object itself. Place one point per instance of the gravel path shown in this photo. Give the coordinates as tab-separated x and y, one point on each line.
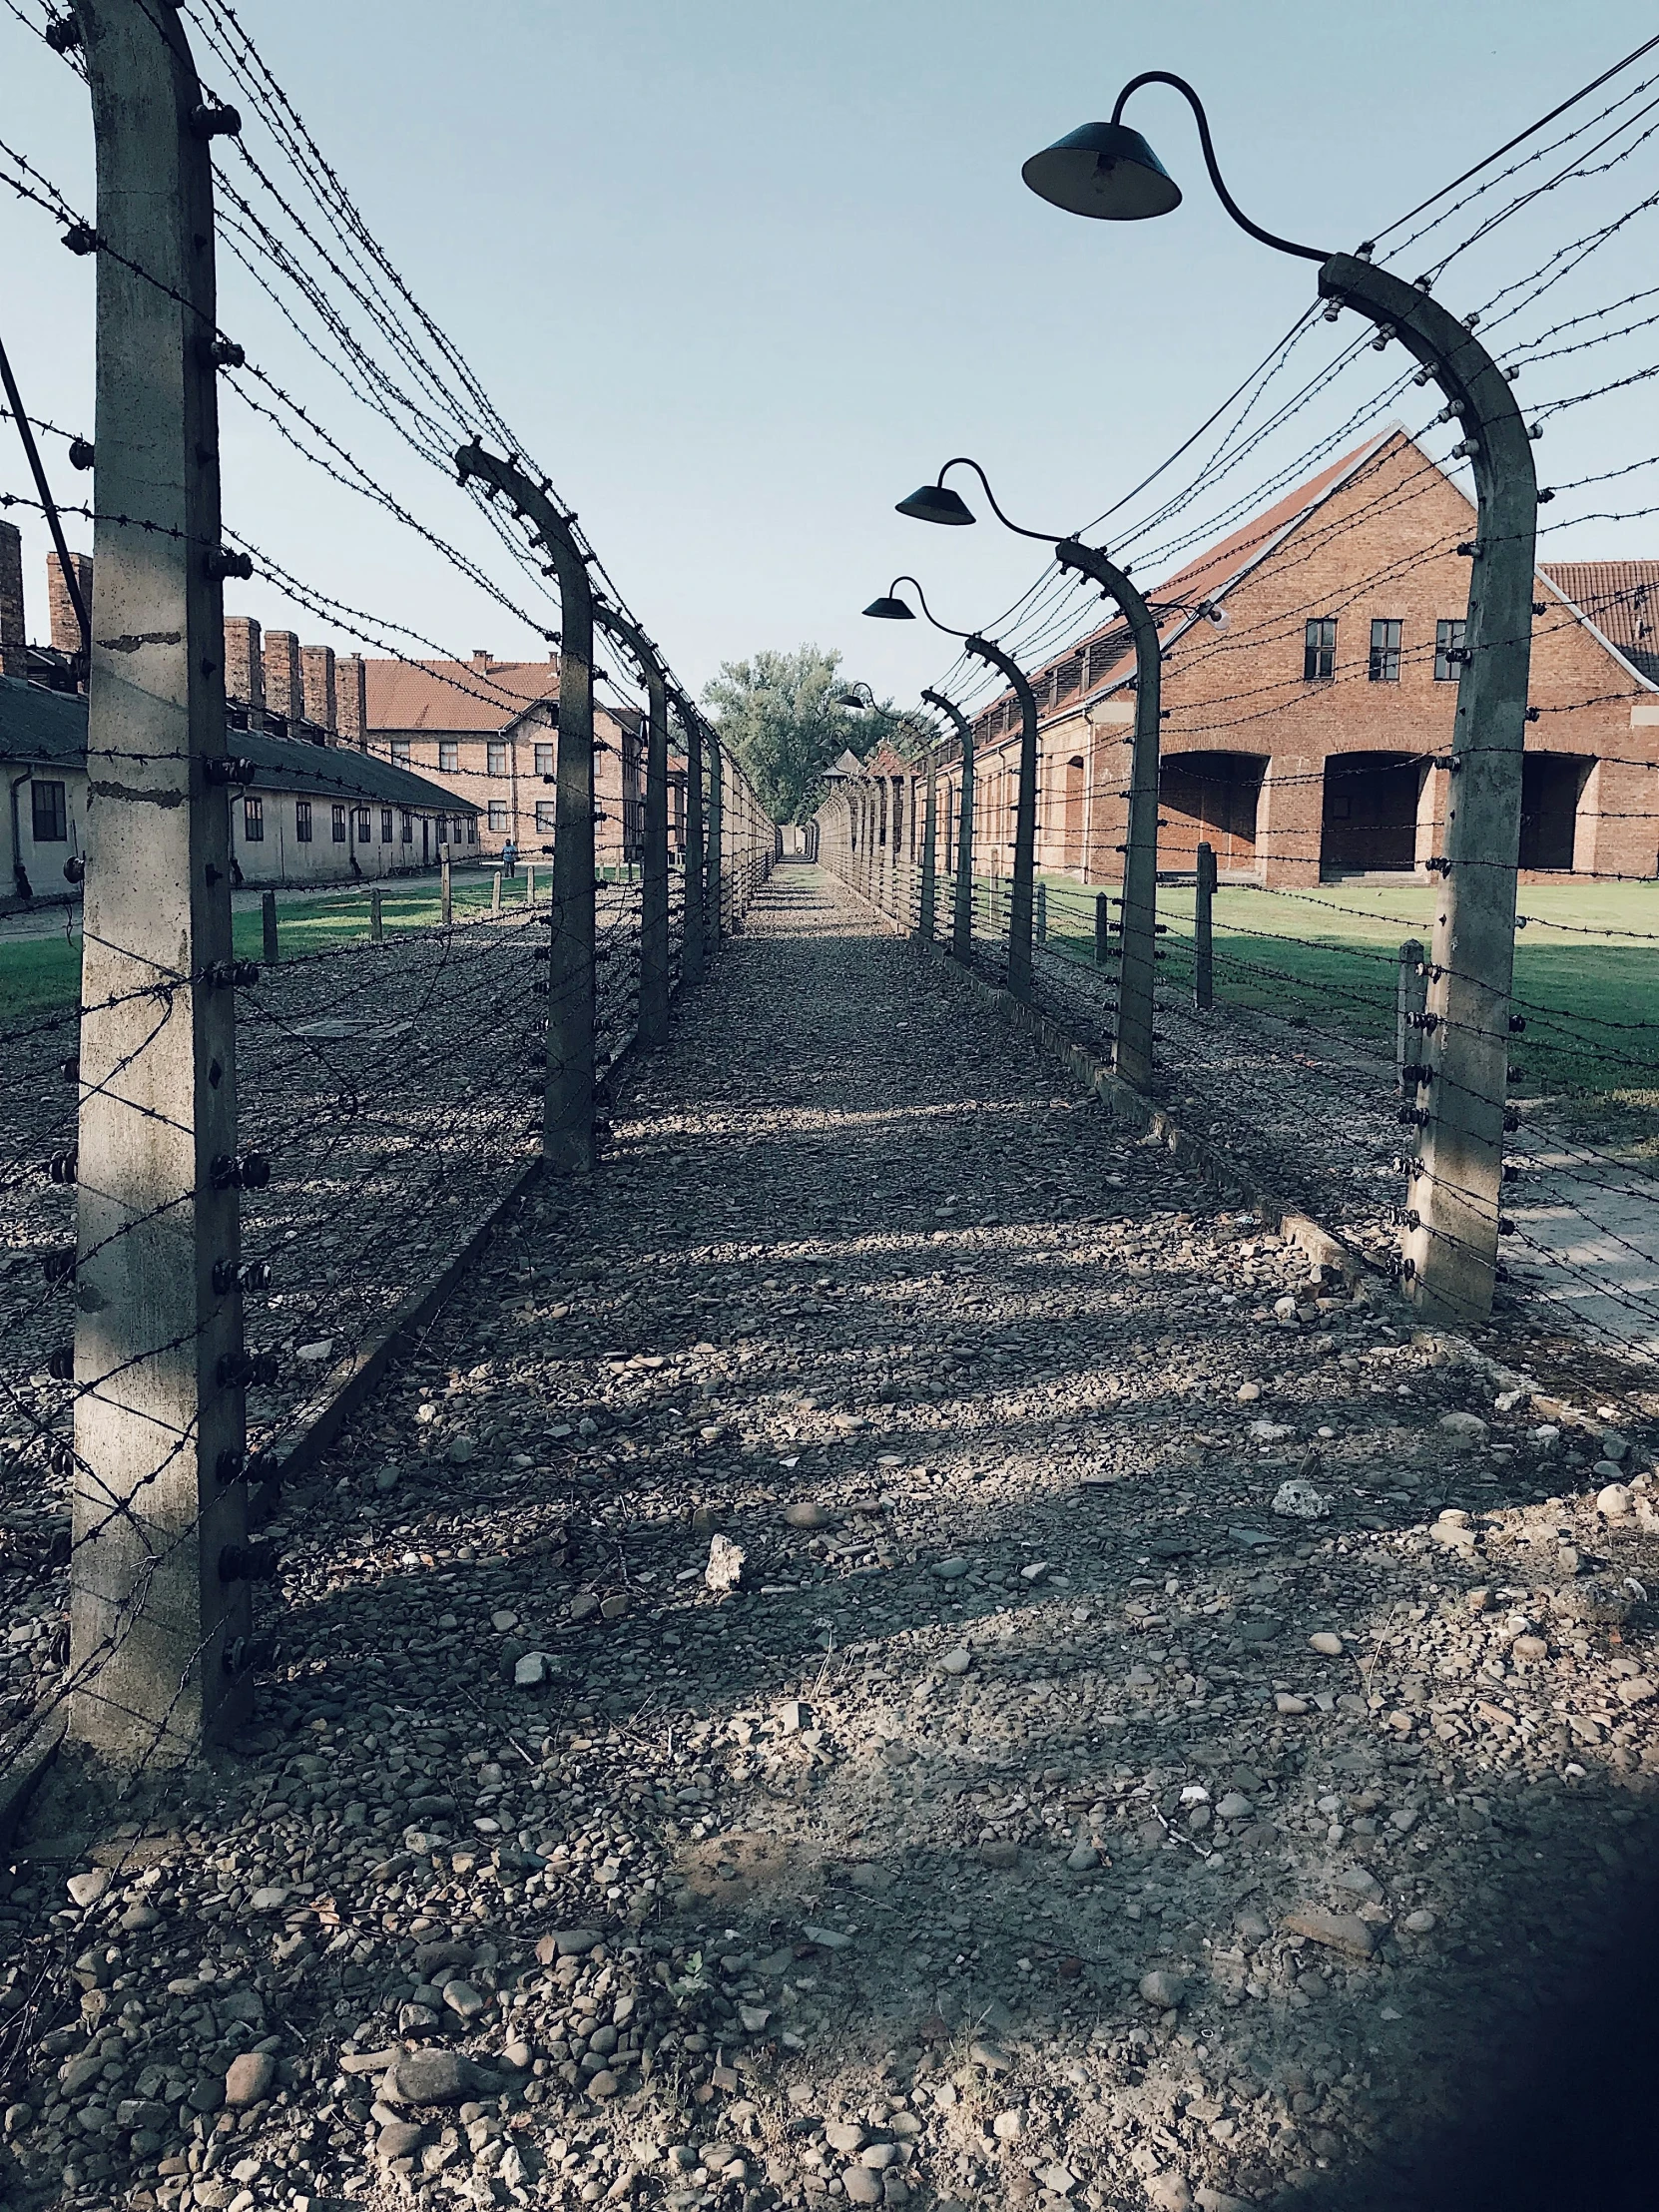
1042	1819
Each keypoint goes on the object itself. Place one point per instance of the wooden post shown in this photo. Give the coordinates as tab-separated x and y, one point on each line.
1204	989
377	919
268	914
1102	929
446	895
1410	999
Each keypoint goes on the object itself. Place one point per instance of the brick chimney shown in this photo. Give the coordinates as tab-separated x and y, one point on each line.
66	629
316	663
351	701
284	690
13	660
244	667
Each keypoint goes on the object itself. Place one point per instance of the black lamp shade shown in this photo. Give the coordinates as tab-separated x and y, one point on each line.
888	609
937	503
1104	170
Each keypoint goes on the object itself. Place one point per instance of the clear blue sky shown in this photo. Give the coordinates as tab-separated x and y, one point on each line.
742	272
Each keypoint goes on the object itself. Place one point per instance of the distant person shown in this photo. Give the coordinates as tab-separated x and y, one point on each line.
509	858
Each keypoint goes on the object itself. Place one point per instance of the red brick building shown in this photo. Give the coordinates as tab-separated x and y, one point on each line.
1308	691
488	730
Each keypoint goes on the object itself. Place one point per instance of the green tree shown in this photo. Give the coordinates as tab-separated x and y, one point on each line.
782	715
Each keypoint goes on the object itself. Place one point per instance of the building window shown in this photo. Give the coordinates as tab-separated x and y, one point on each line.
338	826
544	760
399	752
1449	651
386	826
498	818
366	830
497	757
406	825
473	829
546	810
253	819
51	813
449	756
1319	650
303	821
1385	652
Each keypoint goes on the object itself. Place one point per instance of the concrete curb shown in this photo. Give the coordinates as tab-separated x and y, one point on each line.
36	1744
356	1378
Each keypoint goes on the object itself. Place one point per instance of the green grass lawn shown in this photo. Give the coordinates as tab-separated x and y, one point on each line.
1329	957
39	973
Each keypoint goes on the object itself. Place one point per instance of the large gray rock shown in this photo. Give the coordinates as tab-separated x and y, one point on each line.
437	2077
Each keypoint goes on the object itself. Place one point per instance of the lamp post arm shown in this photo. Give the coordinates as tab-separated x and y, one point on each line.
966	460
926	610
1266	238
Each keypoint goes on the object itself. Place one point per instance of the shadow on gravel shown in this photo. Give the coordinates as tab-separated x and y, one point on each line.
1554	2117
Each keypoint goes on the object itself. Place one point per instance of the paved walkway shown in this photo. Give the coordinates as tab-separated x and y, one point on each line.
798	1694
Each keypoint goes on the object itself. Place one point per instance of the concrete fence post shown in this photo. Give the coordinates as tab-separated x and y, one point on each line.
446	895
159	1604
1042	913
267	924
495	897
652	1028
1204	894
376	917
1137	942
694	929
929	851
1453	1217
1410	1000
715	910
567	1125
1021	901
1102	929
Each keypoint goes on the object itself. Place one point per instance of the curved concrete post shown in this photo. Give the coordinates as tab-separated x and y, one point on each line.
714	901
1021	903
961	919
693	927
1138	915
1450	1241
928	898
567	1128
653	1014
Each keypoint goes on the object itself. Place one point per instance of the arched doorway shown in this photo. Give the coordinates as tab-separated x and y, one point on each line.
1369	821
1210	798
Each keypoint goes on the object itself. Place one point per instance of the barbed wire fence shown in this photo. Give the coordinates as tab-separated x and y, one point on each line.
1233	986
230	1190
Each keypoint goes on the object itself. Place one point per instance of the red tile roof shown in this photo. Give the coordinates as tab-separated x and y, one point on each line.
1622	599
1203	577
478	696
